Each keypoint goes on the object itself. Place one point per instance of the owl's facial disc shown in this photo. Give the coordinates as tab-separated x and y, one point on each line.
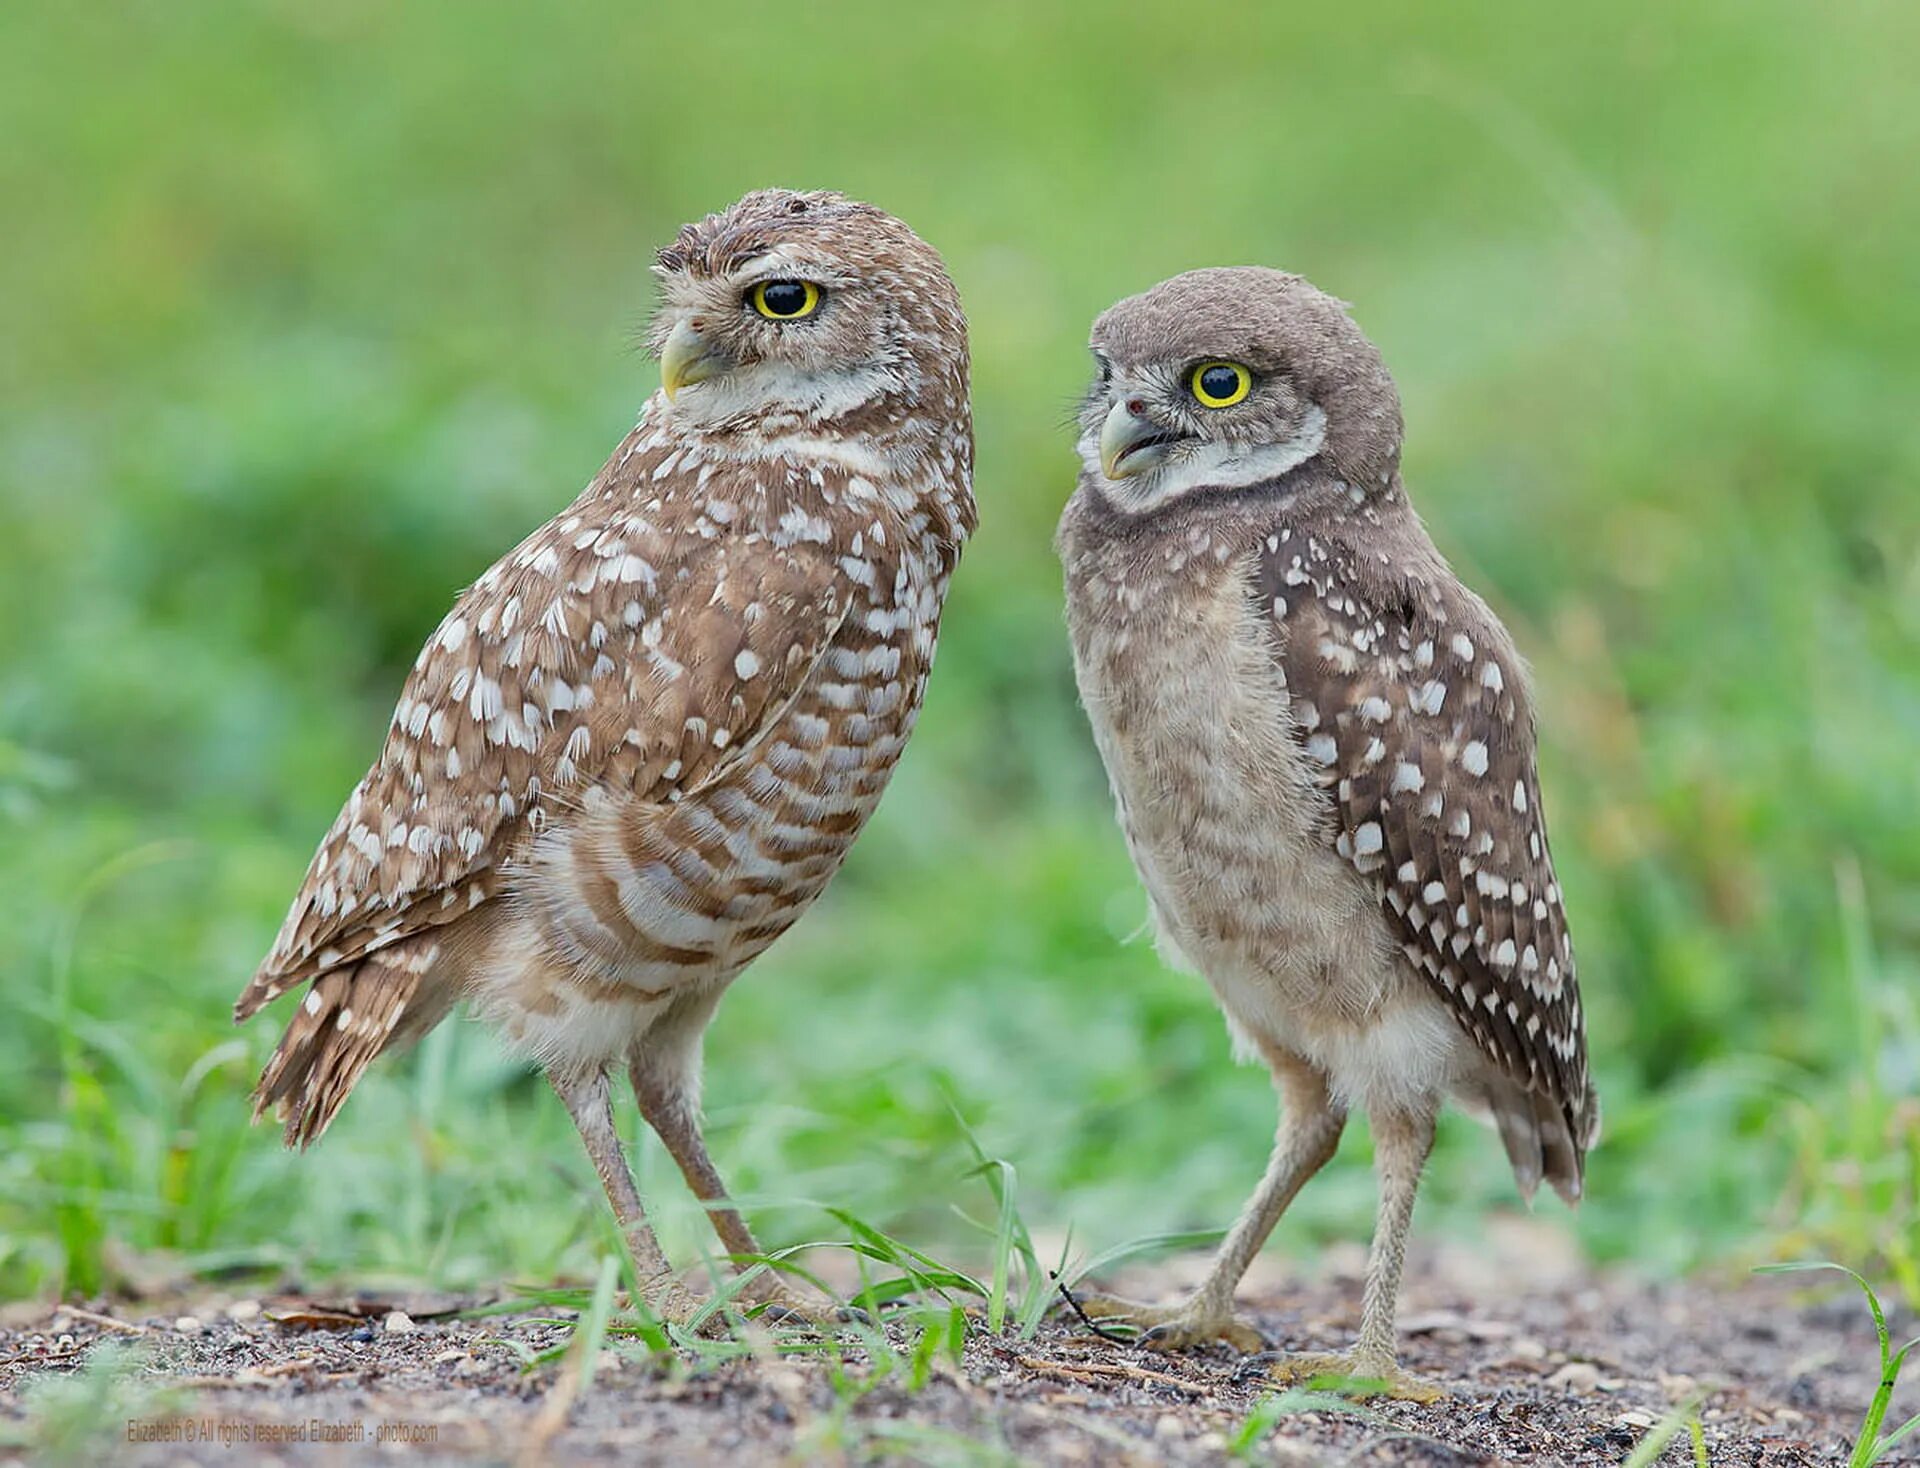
692	351
789	334
1242	375
1159	430
805	326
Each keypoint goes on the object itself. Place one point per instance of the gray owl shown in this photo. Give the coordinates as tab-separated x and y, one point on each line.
1321	746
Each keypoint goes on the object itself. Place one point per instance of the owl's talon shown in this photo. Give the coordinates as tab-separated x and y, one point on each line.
1174	1327
1200	1330
1353	1374
784	1305
670	1302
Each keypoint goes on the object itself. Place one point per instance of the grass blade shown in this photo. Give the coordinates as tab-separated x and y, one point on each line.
1685	1415
1269	1412
591	1333
1869	1446
576	1372
1001	1179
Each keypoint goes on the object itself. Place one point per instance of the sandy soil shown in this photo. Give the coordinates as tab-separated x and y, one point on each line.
1561	1368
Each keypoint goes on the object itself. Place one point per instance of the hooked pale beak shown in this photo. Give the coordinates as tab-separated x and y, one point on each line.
1131	443
688	357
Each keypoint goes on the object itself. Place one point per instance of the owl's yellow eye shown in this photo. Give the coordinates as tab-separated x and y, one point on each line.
1220	384
785	300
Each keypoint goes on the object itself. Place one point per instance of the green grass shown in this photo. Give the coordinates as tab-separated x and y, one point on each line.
1875	1439
80	1417
896	1329
307	313
1685	1417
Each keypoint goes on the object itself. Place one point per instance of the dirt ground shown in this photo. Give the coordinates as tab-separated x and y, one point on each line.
1542	1366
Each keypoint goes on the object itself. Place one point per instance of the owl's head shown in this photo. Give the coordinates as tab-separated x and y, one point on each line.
798	311
1226	379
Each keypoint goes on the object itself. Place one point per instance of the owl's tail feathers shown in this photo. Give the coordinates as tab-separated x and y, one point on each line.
348	1017
1541	1144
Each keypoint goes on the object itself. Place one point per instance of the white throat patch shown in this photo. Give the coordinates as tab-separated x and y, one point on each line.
1209	466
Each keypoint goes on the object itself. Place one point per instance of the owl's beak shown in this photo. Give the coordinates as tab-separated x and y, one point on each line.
688	357
1131	443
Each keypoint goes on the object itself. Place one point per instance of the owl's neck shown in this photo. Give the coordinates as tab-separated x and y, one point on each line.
913	477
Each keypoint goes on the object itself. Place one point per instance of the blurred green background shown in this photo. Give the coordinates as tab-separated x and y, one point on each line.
307	312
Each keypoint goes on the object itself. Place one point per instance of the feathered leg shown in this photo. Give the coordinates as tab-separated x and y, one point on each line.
1309	1133
1401	1141
590	1103
667	1087
672	1115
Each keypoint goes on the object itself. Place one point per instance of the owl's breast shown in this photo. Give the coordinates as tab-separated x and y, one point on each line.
1196	732
655	893
1222	814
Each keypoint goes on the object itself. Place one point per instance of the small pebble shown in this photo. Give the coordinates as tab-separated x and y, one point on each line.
243	1310
453	1353
1296	1455
1677	1387
1634	1419
398	1322
189	1325
1576	1376
787	1382
1210	1442
1168	1428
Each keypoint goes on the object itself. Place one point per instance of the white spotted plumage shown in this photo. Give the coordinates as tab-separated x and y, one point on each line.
642	741
1322	752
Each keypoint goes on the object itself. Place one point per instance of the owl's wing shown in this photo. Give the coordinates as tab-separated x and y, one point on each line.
1410	702
603	648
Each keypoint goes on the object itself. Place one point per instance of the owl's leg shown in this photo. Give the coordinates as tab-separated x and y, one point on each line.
664	1084
590	1103
1401	1141
671	1111
1309	1133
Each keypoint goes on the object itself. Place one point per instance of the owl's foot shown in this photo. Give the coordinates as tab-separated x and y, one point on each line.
1354	1373
790	1307
777	1303
780	1303
670	1302
1174	1327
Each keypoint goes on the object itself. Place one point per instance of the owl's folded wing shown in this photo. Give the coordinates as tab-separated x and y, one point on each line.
1412	707
601	649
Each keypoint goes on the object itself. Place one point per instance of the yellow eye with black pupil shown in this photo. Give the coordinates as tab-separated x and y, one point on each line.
1220	384
785	300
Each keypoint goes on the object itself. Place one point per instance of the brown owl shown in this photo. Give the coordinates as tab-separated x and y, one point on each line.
641	743
1322	750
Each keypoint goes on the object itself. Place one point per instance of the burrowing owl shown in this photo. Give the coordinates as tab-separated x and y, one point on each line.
1322	750
640	744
